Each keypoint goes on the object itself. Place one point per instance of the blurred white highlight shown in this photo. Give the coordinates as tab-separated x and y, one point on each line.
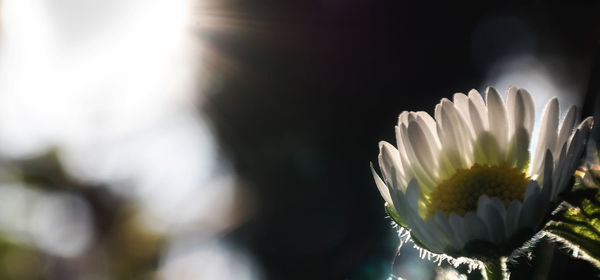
450	274
111	84
58	223
191	259
56	91
117	102
61	224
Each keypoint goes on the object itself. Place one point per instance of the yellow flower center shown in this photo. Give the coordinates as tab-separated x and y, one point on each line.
460	193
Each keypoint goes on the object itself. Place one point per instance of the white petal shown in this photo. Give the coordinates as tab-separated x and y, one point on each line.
486	150
383	189
440	235
533	188
427	235
449	144
422	148
511	94
479	105
412	195
456	139
515	110
533	210
461	103
415	223
398	202
422	173
498	123
406	205
517	155
403	118
449	161
547	135
453	132
429	127
444	224
566	129
477	120
529	110
475	228
546	179
499	205
405	163
412	116
492	219
575	151
585	127
389	163
545	195
562	171
459	121
456	223
512	217
438	115
521	112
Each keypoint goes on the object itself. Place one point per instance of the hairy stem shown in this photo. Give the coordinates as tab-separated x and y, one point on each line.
495	269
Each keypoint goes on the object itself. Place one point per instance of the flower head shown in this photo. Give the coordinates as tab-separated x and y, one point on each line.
464	183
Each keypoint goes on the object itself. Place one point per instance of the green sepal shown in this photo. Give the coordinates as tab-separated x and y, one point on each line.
389	209
396	218
579	224
420	244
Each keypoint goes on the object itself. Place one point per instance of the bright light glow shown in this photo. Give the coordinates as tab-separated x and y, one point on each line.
197	259
54	90
117	102
532	74
450	274
112	85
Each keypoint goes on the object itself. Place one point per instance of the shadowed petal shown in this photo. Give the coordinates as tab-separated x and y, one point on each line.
475	228
383	189
498	123
547	135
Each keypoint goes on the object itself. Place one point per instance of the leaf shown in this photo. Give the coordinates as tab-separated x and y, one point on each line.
579	225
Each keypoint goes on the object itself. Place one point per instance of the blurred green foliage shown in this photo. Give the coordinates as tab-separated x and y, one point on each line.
122	247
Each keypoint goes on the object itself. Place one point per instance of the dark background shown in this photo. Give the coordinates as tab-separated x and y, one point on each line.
312	86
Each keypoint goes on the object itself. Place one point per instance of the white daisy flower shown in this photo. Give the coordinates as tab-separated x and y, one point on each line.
464	183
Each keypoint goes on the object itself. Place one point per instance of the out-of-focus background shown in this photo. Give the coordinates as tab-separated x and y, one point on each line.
230	139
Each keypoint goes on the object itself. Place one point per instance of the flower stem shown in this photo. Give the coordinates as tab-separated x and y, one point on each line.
495	269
